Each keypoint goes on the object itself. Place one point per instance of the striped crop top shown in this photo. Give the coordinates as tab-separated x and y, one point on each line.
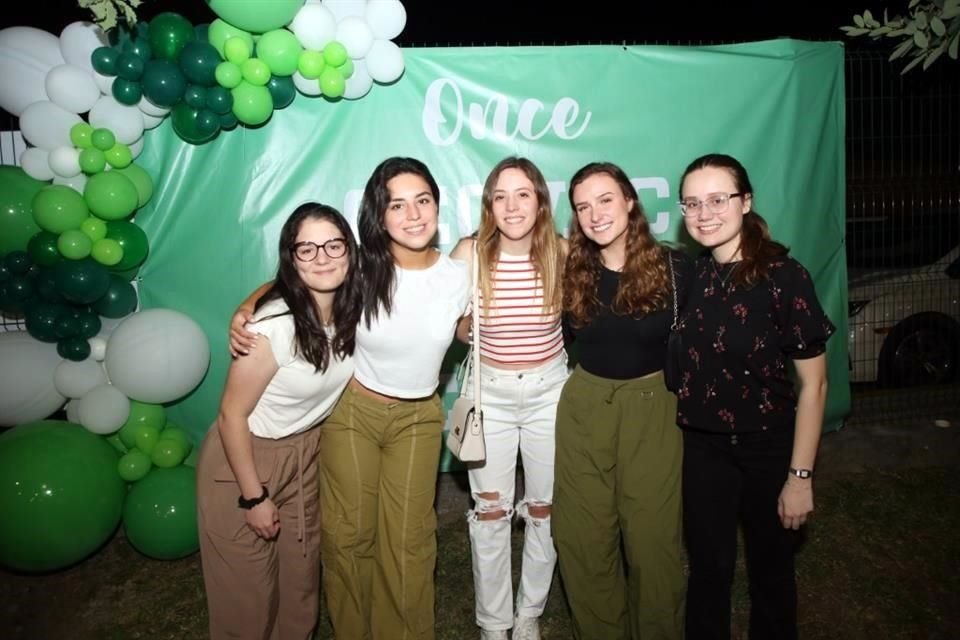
514	329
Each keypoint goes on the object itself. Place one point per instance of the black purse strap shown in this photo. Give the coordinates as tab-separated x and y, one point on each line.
673	283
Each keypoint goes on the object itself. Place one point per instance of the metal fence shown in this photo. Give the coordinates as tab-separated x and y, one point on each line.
903	231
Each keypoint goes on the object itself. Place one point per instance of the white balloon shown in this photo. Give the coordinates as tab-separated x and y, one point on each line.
73	411
385	61
157	356
136	147
152	122
345	8
386	18
77	182
75	379
103	409
78	41
104	83
65	162
72	88
360	83
35	162
27	392
26	56
150	109
355	35
46	125
314	26
125	121
98	350
305	86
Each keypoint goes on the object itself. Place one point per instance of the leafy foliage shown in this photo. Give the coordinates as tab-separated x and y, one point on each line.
106	13
929	30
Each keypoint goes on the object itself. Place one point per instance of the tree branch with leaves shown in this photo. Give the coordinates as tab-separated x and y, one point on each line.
929	30
107	13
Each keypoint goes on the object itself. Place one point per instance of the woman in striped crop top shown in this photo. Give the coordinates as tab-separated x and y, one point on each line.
523	367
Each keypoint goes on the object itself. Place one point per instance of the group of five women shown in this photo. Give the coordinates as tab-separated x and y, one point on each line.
327	444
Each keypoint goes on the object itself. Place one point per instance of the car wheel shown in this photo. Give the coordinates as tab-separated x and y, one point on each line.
921	350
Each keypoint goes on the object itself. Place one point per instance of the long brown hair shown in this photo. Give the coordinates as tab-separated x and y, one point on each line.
757	248
545	249
645	280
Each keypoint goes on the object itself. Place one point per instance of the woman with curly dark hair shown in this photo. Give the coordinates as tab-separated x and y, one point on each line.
617	490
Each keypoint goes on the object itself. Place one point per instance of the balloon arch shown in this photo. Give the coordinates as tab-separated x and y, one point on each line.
70	251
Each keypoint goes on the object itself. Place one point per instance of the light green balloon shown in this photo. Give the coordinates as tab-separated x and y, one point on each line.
118	156
228	75
173	432
92	160
146	438
81	135
257	17
219	32
252	104
237	50
107	252
168	453
332	83
110	195
335	54
141	182
57	208
103	139
346	68
134	465
74	244
94	228
280	50
256	71
311	64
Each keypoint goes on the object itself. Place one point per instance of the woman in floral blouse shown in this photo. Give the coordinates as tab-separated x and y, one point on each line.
750	440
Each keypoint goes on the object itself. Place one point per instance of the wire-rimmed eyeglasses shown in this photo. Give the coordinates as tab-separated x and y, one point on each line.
306	251
716	203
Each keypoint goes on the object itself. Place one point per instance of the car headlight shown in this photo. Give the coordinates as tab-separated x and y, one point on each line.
855	306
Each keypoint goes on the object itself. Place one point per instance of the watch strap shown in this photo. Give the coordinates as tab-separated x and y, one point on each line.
802	473
245	503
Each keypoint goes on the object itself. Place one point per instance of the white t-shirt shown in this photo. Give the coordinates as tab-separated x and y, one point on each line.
297	397
400	354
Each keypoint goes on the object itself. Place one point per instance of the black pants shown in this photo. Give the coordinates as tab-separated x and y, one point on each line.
729	480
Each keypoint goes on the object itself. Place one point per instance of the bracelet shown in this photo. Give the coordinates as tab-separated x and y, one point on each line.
245	503
802	473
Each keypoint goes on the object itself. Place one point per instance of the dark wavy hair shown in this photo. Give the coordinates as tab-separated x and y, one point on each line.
377	263
312	342
757	248
645	279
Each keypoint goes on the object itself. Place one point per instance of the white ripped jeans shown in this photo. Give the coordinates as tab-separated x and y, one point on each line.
519	413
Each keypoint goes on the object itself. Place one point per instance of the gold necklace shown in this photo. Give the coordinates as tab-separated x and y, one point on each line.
723	279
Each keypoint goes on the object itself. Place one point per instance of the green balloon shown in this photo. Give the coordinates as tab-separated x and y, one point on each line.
74	244
134	465
73	348
169	34
16	294
43	249
237	50
252	104
332	83
282	90
219	32
173	432
107	252
199	61
255	71
160	514
68	325
45	283
346	69
130	67
18	262
146	438
133	241
219	100
41	320
103	139
92	160
57	208
119	301
104	60
88	324
257	17
280	50
163	83
80	134
195	126
126	92
81	281
142	414
118	156
228	75
94	228
311	64
141	182
17	223
115	442
60	495
110	195
168	453
335	54
228	120
195	96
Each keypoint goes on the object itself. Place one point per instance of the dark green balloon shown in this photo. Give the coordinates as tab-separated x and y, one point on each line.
195	96
88	323
74	348
43	249
82	281
228	120
18	262
45	284
68	324
160	513
219	100
282	90
18	292
119	300
126	92
104	60
41	320
198	61
163	83
60	495
132	240
130	66
169	34
193	125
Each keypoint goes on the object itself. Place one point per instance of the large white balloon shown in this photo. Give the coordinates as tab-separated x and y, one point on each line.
151	109
72	88
360	83
104	83
26	56
27	392
78	41
314	26
125	121
157	356
305	86
385	61
103	409
75	379
151	122
345	8
386	18
35	162
65	162
46	125
355	35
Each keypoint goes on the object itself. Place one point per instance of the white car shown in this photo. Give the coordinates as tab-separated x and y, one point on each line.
905	324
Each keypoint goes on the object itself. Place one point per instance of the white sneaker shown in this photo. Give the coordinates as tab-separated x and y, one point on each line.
526	628
486	634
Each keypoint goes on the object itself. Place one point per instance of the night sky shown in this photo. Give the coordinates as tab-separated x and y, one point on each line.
455	22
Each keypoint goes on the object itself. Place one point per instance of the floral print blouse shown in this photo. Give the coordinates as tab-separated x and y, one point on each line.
736	344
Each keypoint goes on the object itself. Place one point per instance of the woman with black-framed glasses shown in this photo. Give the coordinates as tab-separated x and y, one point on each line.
750	440
257	473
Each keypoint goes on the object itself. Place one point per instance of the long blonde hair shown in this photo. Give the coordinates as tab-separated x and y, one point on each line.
545	250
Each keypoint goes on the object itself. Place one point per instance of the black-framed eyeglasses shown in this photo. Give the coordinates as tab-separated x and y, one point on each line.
716	203
306	251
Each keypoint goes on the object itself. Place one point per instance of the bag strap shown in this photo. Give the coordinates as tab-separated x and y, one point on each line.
673	283
475	347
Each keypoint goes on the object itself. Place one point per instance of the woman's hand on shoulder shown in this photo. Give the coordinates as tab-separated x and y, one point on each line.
242	340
